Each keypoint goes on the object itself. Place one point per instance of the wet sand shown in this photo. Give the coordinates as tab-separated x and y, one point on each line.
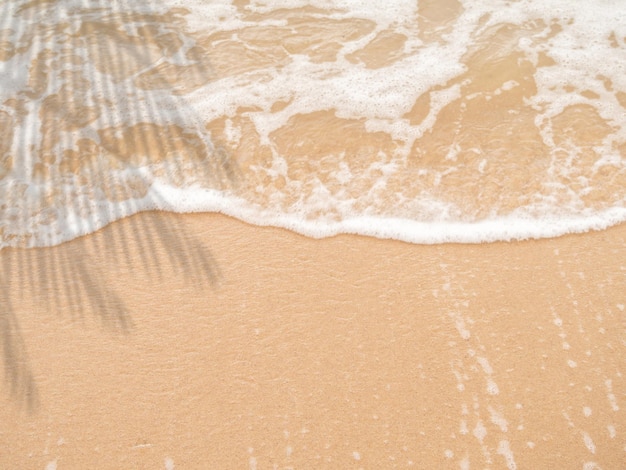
197	341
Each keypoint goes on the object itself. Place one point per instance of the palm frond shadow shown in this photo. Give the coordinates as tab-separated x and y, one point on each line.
73	283
17	371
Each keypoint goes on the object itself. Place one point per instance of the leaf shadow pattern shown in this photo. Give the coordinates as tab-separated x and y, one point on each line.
17	372
82	144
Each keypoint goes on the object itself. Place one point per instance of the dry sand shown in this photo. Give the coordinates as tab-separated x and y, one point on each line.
197	341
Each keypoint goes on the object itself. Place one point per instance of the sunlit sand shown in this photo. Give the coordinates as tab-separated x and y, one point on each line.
219	344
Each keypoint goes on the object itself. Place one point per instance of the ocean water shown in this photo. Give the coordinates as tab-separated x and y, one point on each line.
427	121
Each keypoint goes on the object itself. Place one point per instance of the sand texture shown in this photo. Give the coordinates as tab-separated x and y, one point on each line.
197	341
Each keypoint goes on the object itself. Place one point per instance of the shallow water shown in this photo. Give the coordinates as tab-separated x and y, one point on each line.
426	121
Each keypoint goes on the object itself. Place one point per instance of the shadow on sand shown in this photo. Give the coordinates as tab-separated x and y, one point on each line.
73	67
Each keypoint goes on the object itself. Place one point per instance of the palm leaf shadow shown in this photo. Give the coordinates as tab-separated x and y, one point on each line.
67	280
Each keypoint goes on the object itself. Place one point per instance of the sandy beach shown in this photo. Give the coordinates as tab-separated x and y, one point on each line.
201	342
197	341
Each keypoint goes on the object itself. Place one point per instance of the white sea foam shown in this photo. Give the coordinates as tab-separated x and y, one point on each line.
504	449
459	186
167	198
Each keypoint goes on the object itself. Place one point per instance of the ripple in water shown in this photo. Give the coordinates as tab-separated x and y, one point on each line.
427	121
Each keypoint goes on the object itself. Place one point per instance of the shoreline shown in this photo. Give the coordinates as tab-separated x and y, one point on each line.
193	340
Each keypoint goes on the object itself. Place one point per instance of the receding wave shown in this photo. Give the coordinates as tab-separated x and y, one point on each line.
427	121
